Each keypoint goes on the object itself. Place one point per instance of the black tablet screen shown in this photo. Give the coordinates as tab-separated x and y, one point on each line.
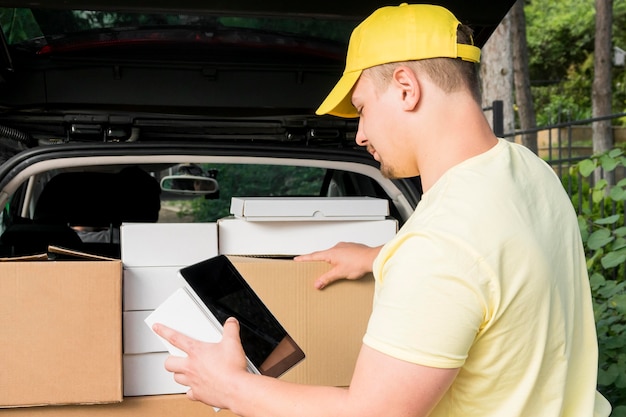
223	290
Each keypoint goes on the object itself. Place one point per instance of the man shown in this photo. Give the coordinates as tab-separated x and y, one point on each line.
482	303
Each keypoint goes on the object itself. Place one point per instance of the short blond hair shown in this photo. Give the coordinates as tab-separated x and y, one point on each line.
448	73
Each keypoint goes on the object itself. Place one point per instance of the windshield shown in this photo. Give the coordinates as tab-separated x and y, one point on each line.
41	27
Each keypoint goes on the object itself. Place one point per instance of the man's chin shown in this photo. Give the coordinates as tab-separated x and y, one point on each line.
391	174
388	173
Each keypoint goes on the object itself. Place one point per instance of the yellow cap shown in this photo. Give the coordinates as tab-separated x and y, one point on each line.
396	34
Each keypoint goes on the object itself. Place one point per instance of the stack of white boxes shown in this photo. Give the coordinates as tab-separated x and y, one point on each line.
152	254
288	226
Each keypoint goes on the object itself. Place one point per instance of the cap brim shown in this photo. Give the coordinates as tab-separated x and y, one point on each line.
339	101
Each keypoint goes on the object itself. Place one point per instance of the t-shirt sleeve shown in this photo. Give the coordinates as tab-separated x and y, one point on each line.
430	303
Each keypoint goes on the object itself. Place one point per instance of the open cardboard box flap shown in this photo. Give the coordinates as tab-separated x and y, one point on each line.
56	253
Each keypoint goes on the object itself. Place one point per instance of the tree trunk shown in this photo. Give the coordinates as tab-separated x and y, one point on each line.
601	89
523	96
496	73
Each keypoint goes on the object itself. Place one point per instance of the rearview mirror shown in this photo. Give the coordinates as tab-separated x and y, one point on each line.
189	185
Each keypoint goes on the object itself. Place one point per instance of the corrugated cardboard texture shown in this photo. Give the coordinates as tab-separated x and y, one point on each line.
328	325
153	406
61	333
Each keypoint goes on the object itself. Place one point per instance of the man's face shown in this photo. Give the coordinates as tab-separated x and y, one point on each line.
378	125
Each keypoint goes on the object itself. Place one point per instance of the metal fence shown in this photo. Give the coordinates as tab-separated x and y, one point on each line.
563	145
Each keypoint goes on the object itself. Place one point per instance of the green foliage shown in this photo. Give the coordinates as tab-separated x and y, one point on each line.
603	232
18	25
560	38
559	33
569	99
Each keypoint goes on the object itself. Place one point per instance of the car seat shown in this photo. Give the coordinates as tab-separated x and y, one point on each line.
97	201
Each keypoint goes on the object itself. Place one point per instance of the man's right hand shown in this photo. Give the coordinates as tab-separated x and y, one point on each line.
348	260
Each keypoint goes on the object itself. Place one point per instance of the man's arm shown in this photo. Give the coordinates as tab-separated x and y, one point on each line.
381	385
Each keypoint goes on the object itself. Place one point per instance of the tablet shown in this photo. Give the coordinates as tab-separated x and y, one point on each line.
219	287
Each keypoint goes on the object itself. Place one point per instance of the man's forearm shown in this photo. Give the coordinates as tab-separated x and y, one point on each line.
261	396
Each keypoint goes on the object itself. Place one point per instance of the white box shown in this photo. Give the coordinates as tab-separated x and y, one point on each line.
309	208
145	374
138	338
145	288
182	313
167	244
241	237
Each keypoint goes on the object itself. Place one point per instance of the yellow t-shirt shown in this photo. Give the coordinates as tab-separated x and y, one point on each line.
489	275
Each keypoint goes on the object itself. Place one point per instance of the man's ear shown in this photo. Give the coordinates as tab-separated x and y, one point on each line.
406	82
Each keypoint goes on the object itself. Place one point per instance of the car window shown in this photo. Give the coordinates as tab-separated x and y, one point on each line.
235	180
41	27
243	180
84	207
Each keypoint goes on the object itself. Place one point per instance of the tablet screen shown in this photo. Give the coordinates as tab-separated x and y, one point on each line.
225	293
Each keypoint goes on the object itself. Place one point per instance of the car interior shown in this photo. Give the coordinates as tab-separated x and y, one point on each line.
75	208
83	208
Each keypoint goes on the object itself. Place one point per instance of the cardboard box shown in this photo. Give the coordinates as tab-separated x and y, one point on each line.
147	287
61	332
145	374
241	237
175	405
309	208
328	325
167	244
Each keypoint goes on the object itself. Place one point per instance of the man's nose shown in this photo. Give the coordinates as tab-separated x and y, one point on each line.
360	138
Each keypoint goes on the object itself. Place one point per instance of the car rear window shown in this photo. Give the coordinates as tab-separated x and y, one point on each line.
249	180
40	27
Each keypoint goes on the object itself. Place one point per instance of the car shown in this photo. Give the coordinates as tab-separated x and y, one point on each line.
95	87
118	112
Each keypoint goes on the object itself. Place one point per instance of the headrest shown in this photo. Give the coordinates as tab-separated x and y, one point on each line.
99	199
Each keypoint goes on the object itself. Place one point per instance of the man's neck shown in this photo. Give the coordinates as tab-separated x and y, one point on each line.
455	135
